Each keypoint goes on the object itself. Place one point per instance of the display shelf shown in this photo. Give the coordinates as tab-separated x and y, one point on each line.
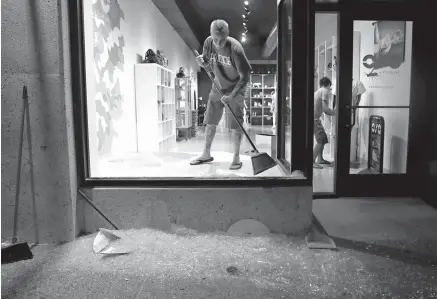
183	102
261	88
193	128
247	104
155	108
326	66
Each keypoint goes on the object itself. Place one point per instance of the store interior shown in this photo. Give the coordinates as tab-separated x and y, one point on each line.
146	96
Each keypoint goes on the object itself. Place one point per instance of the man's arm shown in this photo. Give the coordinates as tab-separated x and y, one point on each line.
206	52
325	103
206	55
243	69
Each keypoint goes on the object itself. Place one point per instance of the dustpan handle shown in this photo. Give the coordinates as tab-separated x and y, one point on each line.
97	209
20	154
227	105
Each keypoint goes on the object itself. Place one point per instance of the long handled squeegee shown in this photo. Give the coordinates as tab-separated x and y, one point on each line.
260	161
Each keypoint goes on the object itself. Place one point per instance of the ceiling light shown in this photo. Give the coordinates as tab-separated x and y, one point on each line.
244	16
244	33
243	39
246	3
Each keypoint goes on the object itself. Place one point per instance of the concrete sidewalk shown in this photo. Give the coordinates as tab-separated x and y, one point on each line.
186	264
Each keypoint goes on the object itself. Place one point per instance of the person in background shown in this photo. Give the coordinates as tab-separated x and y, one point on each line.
321	105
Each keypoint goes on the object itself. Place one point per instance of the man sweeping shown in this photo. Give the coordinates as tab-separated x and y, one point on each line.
321	105
225	55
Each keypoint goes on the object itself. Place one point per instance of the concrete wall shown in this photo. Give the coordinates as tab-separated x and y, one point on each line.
35	53
283	210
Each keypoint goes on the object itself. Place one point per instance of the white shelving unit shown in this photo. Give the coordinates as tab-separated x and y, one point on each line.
155	108
326	66
261	87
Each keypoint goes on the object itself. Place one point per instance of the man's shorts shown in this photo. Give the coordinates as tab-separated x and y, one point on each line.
214	110
319	132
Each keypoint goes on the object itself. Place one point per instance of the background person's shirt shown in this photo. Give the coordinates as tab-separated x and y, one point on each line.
320	95
226	63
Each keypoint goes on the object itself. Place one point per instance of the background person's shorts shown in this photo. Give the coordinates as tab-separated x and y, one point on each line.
319	132
214	110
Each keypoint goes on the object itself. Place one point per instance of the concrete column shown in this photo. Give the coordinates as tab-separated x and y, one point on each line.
35	53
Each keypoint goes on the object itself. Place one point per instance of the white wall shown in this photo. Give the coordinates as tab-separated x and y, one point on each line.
325	27
91	88
389	88
147	28
143	27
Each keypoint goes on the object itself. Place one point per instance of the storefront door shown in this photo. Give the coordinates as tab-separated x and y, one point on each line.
376	94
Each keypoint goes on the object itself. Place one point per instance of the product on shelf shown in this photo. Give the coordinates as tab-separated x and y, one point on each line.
262	90
181	73
183	106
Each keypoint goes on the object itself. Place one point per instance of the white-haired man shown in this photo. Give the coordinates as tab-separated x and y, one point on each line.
225	55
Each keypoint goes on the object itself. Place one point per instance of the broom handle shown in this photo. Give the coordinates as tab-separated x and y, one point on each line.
17	186
227	105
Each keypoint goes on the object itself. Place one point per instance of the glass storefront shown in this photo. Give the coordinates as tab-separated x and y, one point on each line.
143	118
146	110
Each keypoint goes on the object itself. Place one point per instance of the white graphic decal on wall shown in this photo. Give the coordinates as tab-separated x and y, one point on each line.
389	48
108	67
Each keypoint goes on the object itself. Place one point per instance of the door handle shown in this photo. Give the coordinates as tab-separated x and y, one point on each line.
352	114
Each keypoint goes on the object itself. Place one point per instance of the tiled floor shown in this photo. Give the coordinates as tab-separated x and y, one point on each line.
323	180
387	248
176	163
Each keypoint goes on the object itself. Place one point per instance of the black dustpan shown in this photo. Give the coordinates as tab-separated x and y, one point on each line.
15	250
260	161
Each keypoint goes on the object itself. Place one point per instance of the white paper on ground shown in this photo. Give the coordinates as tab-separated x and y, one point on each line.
109	242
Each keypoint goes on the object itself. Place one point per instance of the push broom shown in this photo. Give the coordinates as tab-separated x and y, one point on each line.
16	249
260	161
